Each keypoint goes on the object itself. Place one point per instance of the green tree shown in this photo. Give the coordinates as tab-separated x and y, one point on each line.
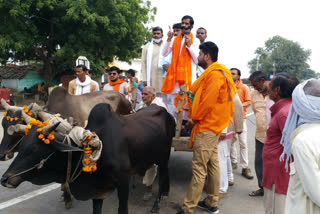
282	55
56	32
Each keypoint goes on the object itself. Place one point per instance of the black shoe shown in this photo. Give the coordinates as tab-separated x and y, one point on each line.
203	205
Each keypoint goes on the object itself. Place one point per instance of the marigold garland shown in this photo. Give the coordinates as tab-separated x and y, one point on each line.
89	166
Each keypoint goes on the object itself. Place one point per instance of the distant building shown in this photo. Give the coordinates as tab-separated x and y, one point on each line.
19	77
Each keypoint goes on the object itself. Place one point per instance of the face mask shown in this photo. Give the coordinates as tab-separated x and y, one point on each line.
156	40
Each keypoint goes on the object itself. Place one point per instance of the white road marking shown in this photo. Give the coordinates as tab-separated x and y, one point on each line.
248	115
28	196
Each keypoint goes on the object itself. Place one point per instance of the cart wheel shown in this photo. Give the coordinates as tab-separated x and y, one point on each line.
12	102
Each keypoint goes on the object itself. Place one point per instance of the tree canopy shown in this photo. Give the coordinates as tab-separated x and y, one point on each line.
56	32
282	55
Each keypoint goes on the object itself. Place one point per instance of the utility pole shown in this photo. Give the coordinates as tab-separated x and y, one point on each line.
274	68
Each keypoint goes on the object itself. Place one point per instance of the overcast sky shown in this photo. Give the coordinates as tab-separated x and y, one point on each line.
238	27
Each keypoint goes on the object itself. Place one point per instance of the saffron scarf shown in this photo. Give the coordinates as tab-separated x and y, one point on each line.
197	88
180	67
116	84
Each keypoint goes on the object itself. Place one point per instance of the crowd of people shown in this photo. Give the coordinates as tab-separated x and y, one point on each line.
287	115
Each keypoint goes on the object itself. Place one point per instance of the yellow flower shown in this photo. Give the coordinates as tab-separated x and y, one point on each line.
5	113
25	110
8	117
29	126
41	136
46	141
39	130
33	121
15	118
45	123
11	119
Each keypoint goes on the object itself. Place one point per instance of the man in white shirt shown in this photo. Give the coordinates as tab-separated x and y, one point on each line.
83	83
115	83
201	35
151	68
301	138
183	67
149	97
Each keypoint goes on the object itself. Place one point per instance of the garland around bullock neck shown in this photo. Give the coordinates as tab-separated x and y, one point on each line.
11	119
89	165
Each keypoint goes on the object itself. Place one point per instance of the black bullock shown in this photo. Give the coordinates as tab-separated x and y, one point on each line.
59	101
131	144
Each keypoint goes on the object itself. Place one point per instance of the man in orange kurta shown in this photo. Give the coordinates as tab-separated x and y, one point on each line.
212	110
245	97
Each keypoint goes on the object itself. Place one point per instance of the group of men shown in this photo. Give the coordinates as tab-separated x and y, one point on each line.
218	102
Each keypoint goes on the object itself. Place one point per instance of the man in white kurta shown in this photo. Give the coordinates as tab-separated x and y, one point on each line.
193	50
302	131
151	68
149	97
83	83
224	146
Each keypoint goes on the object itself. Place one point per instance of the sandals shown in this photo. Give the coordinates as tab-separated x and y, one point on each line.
258	192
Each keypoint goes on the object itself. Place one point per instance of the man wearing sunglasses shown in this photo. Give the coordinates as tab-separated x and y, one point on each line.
115	83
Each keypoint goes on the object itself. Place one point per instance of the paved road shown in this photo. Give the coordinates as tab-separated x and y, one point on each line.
31	199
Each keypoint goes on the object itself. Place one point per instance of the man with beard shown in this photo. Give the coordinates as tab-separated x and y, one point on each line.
261	104
212	110
151	69
115	83
183	67
83	83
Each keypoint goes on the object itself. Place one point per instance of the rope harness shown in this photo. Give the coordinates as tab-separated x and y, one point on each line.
69	179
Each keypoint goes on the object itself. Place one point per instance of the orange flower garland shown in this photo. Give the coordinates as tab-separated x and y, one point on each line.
88	165
41	136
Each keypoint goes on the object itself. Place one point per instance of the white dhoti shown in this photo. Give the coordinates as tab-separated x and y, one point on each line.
223	153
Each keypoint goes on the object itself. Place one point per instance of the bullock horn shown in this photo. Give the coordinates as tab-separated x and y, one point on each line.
44	116
26	117
16	129
4	104
36	107
49	128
